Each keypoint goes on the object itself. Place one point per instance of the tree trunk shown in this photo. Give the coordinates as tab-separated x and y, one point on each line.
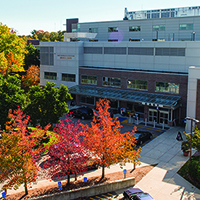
134	165
103	172
68	179
75	176
25	187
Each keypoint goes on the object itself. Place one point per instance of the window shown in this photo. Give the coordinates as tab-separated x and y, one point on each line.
134	28
112	29
159	28
87	99
112	82
47	55
94	40
114	50
93	30
50	75
170	51
140	51
167	87
112	40
89	79
185	26
134	40
93	50
137	84
69	77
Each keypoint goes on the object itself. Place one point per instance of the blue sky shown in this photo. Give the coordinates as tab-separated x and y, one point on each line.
50	15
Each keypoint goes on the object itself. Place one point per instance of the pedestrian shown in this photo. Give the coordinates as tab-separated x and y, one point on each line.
179	136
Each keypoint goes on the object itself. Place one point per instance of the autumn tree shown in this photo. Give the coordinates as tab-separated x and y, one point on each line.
67	155
11	96
19	151
103	138
32	76
12	51
47	104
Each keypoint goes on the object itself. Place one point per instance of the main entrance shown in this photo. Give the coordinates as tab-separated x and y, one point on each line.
159	116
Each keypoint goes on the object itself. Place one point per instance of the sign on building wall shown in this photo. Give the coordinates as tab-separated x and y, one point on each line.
65	57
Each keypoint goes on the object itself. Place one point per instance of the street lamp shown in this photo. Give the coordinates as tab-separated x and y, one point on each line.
192	120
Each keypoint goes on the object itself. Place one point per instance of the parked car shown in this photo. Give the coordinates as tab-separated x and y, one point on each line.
136	194
81	112
142	136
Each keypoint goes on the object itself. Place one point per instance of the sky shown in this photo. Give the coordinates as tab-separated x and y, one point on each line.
50	15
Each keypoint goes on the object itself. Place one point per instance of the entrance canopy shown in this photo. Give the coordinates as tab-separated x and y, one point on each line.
151	99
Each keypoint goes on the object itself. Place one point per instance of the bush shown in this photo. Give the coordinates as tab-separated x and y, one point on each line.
194	168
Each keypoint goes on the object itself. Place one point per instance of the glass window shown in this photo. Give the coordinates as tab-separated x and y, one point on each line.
93	30
112	29
46	55
159	28
134	28
167	87
112	82
89	79
69	77
137	84
87	99
185	26
50	75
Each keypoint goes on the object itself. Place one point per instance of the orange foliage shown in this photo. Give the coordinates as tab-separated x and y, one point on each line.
32	76
104	139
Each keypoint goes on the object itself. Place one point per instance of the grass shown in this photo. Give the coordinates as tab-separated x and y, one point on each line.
191	171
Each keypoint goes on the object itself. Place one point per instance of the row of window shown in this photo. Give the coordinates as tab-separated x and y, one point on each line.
132	84
65	77
138	28
116	82
136	51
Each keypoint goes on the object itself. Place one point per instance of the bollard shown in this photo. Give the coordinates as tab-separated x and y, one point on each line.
154	123
124	172
163	125
85	179
145	121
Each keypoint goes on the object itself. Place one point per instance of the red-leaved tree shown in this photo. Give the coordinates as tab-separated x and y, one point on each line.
104	140
67	154
20	150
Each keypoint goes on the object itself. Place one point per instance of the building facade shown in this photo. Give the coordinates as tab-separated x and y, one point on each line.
141	65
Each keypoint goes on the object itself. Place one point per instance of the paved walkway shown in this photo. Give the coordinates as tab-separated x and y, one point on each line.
162	182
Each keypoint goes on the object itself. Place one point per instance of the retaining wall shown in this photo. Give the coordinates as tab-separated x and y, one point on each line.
90	190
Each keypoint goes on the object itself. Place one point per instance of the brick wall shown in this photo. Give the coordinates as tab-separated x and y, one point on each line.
182	80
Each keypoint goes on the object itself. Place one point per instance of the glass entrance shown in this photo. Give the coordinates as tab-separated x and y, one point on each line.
164	117
153	115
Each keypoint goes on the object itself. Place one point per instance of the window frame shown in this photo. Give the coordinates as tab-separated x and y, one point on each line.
50	76
68	78
112	29
169	89
134	28
89	81
137	86
111	82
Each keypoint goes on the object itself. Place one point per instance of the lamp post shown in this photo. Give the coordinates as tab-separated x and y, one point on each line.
192	120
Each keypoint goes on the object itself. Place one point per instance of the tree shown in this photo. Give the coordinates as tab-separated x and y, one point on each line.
67	155
19	151
11	96
12	51
105	140
47	104
32	57
32	76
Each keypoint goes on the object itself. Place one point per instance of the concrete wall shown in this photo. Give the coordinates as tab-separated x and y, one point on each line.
90	191
146	25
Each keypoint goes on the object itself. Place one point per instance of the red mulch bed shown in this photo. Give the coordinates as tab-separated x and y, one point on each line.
138	173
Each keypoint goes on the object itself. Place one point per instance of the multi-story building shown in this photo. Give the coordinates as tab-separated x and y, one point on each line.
137	63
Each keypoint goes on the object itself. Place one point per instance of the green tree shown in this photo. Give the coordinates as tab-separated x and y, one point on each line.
11	96
48	104
32	57
12	51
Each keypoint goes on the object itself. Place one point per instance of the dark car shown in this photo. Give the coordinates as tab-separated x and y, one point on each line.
82	112
142	136
136	194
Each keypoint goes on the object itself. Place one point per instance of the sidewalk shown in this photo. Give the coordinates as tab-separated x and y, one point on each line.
163	182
